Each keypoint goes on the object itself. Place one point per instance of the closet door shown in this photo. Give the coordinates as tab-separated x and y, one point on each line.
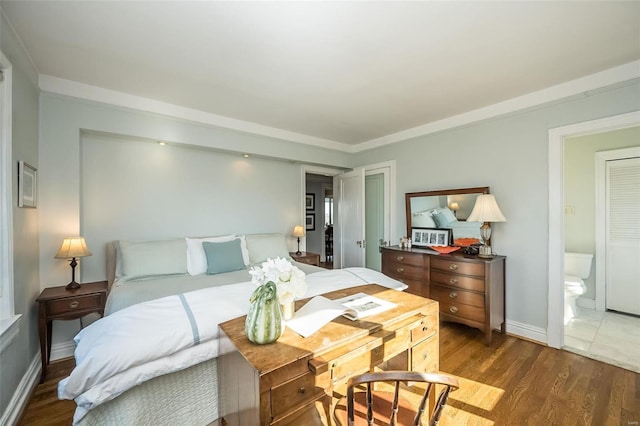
623	235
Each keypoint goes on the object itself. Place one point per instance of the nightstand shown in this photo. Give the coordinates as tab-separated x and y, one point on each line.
306	257
58	303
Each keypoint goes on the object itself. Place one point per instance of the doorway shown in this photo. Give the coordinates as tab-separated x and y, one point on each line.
564	210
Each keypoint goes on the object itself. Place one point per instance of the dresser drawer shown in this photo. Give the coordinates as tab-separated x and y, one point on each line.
461	310
415	259
424	356
456	295
296	392
72	304
402	270
457	267
458	281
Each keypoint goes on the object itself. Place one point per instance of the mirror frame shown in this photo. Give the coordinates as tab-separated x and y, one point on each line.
409	195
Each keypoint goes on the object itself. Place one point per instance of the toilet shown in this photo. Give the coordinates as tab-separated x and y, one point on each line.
577	267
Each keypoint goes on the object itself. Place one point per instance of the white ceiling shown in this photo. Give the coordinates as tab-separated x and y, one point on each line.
347	72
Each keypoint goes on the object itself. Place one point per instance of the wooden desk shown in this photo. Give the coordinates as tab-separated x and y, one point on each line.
292	381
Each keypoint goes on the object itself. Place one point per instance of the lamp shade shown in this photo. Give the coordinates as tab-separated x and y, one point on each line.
486	210
73	247
298	231
454	206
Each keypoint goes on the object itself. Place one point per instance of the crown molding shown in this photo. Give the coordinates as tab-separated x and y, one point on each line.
588	83
84	91
595	81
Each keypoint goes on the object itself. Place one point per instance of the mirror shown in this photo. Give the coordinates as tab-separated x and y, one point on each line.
447	208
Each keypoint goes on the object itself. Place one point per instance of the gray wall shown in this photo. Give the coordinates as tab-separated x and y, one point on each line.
140	190
19	355
579	190
509	154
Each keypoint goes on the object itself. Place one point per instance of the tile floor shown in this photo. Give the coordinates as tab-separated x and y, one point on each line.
606	336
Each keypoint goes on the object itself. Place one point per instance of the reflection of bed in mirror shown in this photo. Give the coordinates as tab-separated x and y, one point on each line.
445	209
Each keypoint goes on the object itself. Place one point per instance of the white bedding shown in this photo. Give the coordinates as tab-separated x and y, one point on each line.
169	334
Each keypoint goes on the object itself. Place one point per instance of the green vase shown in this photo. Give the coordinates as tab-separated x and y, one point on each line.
264	322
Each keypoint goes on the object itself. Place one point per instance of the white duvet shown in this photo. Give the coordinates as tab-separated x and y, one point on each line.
165	335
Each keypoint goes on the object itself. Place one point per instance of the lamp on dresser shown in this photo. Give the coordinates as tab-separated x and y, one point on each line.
486	210
298	231
71	248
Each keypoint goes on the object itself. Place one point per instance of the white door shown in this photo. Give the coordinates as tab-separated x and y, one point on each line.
349	229
623	235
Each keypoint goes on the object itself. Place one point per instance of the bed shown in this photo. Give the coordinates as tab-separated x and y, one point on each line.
152	358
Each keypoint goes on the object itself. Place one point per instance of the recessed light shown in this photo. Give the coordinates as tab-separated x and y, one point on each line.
161	143
245	155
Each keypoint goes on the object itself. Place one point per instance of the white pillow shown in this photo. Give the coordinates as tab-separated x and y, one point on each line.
150	258
196	257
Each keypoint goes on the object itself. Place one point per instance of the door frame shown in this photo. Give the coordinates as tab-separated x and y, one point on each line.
388	170
601	217
316	170
555	302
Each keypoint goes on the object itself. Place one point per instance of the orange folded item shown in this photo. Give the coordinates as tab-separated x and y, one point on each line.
445	249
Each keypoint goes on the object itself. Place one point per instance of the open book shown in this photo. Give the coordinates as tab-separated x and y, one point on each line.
320	310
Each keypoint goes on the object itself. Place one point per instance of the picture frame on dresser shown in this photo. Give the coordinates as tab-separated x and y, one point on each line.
428	237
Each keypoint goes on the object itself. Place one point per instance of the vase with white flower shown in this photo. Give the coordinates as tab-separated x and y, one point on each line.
279	284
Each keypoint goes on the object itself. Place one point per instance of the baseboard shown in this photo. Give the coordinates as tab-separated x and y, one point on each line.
62	350
21	396
586	303
527	332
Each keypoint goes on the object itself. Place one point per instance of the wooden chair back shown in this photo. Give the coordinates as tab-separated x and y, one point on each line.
381	407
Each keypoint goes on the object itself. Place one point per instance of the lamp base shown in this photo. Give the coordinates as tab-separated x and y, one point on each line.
72	285
485	251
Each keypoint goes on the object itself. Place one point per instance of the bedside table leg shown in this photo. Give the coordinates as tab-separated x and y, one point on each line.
45	338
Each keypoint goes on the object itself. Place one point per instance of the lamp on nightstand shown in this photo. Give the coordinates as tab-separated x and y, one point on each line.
298	231
486	210
71	248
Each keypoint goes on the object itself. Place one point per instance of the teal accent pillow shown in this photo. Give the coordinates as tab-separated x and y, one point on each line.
223	257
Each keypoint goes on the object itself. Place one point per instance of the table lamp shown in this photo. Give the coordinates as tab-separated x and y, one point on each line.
454	206
486	210
71	248
298	231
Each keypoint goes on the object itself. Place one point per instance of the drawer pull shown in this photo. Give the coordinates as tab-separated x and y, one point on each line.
400	270
425	356
453	309
453	281
453	295
425	328
453	267
400	258
74	304
302	390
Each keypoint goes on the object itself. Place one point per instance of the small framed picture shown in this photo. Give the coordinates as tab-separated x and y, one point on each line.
427	237
310	201
27	185
311	222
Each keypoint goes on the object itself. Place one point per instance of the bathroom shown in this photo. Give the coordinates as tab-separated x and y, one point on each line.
601	323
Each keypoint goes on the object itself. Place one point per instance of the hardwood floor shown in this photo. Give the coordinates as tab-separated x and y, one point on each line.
513	382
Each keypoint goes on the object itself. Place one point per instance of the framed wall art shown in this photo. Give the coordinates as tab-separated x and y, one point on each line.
310	201
310	222
27	185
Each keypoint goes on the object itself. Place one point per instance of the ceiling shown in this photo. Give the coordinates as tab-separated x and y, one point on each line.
346	72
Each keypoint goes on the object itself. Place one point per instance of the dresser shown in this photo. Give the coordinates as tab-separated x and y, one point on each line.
469	289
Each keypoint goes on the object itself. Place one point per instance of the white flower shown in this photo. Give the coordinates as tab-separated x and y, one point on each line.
289	280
